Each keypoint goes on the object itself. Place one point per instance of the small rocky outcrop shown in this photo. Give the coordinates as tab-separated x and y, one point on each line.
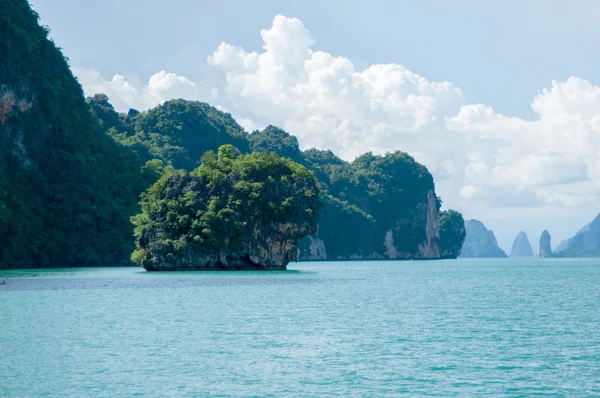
480	242
521	246
545	245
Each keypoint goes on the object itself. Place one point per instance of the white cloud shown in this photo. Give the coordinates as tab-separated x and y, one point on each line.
125	94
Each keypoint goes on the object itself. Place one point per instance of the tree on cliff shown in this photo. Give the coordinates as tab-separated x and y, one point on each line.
235	211
452	233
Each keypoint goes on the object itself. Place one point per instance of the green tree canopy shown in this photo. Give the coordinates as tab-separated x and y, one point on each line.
224	205
452	233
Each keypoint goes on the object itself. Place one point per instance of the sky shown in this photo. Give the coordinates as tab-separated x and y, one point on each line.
499	99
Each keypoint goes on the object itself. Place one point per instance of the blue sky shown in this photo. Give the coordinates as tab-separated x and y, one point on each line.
501	54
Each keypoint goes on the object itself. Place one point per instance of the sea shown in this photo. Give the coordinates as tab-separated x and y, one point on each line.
495	327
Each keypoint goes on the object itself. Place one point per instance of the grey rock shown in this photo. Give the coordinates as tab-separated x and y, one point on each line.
545	245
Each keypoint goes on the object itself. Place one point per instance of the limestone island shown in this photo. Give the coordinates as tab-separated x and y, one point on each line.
546	245
234	212
521	246
480	242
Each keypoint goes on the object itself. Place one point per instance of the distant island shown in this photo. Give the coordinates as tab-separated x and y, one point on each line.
521	246
480	242
72	171
585	242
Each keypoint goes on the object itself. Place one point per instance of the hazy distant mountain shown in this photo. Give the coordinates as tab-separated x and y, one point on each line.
521	246
480	242
585	243
565	244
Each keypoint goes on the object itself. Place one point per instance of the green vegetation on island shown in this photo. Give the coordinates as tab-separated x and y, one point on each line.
233	212
452	233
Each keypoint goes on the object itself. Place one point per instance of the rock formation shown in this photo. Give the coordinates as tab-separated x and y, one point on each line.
234	212
545	245
480	242
521	246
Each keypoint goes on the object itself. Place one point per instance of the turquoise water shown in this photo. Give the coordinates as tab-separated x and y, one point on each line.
464	327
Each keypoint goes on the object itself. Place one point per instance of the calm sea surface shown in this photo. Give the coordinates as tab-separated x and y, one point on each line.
464	327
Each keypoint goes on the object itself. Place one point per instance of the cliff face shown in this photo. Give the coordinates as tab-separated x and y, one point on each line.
272	247
521	246
480	242
430	248
424	220
545	245
585	243
377	207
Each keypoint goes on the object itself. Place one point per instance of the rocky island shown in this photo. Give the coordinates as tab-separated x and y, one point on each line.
545	245
234	212
521	246
480	242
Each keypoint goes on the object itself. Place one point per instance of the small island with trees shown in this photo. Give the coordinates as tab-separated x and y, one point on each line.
234	212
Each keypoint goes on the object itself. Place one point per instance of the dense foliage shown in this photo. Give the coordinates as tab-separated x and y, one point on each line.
66	189
224	205
452	233
178	132
274	139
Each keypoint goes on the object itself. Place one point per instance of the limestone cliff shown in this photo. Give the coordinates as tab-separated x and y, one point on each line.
521	246
423	219
545	245
430	248
480	242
